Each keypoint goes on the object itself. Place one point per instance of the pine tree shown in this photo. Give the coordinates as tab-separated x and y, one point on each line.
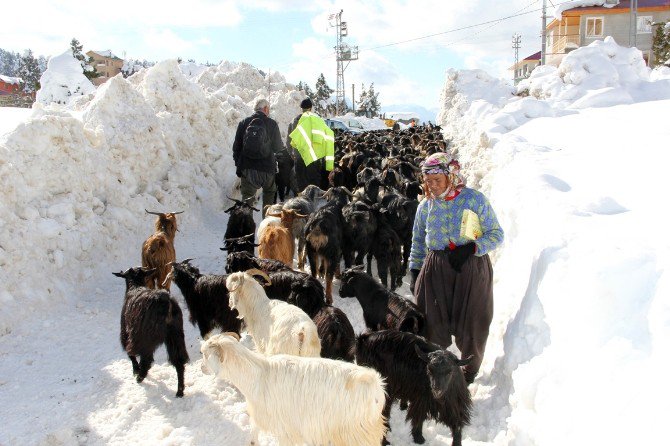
29	72
373	101
87	64
661	44
363	101
323	105
9	63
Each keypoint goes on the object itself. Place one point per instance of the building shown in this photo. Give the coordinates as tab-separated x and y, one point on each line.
523	68
107	64
576	26
9	85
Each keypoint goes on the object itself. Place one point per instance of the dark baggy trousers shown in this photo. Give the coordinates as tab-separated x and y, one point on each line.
252	180
457	304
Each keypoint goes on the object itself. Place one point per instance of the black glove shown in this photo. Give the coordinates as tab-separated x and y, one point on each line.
238	172
459	255
412	283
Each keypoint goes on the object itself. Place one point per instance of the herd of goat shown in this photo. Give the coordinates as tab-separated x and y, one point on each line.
308	362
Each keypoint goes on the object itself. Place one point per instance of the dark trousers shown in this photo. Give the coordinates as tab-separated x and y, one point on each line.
457	304
252	180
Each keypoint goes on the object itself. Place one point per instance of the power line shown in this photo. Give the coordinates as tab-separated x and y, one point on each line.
453	30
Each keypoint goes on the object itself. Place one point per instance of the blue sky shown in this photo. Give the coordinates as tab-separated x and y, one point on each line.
294	38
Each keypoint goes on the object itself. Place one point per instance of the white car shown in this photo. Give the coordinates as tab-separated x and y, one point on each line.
350	126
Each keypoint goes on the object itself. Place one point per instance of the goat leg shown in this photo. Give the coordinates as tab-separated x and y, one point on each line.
386	412
417	434
456	434
180	380
145	365
136	366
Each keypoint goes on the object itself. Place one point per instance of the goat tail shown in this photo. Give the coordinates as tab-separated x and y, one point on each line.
308	341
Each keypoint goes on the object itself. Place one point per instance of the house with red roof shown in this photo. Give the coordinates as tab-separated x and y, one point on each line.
523	68
579	23
9	85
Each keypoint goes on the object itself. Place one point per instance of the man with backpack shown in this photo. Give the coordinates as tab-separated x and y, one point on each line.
257	143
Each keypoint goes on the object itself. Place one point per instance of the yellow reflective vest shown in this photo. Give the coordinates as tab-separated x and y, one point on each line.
314	140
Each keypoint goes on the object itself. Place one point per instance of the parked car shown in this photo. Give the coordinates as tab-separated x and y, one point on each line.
350	126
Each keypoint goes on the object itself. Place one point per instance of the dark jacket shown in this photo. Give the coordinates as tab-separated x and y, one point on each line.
268	164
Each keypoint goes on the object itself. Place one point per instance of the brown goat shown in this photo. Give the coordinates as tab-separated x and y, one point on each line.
277	242
158	250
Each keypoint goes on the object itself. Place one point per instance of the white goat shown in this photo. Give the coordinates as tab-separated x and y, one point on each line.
313	401
277	327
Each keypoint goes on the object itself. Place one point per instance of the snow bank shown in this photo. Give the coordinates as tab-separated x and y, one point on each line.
581	322
599	75
76	179
63	80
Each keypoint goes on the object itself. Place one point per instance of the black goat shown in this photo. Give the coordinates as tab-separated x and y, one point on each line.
283	178
241	220
149	318
206	298
382	309
399	212
417	371
360	226
323	234
308	201
243	261
387	250
238	244
306	292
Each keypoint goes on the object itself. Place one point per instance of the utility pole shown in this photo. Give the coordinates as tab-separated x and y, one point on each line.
353	98
343	53
632	35
543	57
516	44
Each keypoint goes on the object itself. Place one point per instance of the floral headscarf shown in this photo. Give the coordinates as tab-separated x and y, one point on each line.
443	163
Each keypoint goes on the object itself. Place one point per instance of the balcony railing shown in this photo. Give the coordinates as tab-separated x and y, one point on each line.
567	41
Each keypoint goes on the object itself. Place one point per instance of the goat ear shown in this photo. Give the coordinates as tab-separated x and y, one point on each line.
120	274
420	353
466	361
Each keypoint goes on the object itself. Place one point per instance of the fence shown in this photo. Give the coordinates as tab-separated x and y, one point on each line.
16	100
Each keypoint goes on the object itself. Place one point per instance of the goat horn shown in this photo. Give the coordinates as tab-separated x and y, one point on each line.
232	334
348	191
152	213
258	272
168	278
175	213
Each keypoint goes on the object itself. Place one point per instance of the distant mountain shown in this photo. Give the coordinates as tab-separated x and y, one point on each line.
424	113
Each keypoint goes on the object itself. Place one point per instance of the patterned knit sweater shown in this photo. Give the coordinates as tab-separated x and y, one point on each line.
438	222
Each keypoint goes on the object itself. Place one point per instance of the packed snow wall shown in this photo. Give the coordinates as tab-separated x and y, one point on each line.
76	179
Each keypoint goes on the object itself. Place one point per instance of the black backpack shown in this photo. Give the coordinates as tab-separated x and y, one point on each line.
256	142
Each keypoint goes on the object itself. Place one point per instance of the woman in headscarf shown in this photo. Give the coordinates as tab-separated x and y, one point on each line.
452	278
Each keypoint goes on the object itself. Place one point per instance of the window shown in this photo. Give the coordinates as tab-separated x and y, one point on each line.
644	24
594	27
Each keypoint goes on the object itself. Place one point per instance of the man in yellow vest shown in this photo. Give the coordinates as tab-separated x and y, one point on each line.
314	141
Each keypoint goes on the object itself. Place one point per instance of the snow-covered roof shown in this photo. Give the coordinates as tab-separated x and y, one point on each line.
611	4
107	53
558	13
402	115
10	80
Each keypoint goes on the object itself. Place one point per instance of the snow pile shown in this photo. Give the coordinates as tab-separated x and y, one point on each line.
63	81
581	325
467	98
191	69
598	75
11	80
76	183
